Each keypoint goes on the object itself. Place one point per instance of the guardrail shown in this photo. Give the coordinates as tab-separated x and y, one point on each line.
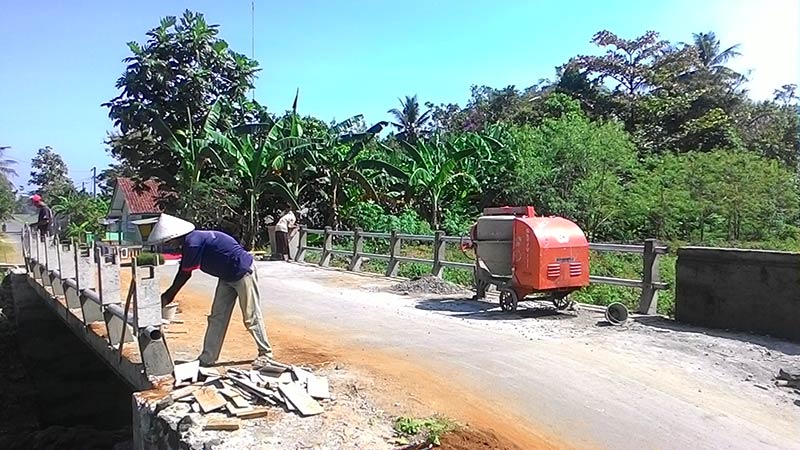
85	281
650	251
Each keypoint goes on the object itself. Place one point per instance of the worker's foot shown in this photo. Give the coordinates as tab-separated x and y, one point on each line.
263	360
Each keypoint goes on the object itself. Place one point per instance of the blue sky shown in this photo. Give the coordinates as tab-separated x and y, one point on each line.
60	60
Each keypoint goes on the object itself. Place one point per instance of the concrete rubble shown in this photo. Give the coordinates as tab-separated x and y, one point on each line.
208	400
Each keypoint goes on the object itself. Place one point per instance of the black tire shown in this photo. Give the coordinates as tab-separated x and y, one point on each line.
508	300
562	302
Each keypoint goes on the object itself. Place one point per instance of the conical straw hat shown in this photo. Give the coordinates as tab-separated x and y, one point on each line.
169	227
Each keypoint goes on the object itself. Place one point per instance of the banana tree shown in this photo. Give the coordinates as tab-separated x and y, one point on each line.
194	150
264	156
434	167
339	162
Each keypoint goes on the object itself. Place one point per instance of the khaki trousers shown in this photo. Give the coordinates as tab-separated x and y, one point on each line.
246	289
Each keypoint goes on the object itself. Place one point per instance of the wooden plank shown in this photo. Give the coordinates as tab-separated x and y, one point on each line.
222	424
300	399
254	414
235	410
183	392
209	372
318	387
209	399
259	392
240	402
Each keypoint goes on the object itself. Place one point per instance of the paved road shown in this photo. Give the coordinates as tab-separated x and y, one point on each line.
586	385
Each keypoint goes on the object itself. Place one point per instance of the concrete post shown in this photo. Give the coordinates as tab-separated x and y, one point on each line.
358	249
56	274
44	274
439	250
394	251
648	300
327	246
109	290
66	257
301	245
147	299
86	279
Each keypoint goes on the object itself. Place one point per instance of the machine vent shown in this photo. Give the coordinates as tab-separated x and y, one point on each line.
553	270
575	269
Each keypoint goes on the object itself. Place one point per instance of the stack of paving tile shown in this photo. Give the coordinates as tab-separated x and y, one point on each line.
248	394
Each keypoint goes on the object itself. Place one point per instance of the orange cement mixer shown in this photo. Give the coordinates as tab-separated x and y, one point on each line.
523	255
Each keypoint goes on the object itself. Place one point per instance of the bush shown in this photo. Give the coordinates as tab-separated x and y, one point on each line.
149	259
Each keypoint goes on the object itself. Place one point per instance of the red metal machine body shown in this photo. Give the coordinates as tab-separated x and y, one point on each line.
522	254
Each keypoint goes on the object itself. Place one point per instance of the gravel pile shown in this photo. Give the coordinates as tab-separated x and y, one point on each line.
427	285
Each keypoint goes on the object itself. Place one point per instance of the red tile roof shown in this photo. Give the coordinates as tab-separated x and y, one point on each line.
142	199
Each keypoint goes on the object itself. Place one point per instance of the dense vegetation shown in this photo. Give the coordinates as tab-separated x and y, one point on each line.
644	139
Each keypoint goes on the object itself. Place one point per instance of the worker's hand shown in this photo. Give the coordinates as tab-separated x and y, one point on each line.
166	299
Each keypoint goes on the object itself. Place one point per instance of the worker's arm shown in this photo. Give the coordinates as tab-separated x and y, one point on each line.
190	261
180	280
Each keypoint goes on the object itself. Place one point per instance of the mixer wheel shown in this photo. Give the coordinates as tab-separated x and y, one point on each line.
508	300
562	303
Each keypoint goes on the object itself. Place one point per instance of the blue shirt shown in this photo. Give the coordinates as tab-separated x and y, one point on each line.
215	253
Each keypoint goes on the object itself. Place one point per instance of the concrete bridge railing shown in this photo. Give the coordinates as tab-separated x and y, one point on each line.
83	286
650	250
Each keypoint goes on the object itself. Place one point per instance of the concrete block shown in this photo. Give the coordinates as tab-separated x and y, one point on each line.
747	290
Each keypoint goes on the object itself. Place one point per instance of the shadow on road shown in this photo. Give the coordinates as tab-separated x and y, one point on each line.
775	344
483	310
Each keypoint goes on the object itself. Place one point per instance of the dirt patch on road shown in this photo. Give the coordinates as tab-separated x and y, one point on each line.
469	439
398	385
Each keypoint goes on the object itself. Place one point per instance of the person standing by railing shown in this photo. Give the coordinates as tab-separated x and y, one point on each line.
45	218
286	224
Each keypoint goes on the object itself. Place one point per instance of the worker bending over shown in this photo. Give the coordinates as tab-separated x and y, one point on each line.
221	256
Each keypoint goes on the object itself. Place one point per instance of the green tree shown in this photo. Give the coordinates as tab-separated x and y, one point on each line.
266	158
6	166
194	151
8	202
432	172
409	120
712	59
50	175
339	163
79	213
176	76
573	167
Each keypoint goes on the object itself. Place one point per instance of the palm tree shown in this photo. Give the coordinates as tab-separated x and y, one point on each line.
409	121
6	172
712	59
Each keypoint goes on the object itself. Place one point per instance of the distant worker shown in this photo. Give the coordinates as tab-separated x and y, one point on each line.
45	219
218	255
286	225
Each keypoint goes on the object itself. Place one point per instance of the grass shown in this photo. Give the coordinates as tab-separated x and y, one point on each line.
429	430
7	252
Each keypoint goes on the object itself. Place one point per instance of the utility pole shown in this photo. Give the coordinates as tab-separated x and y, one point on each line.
83	186
94	181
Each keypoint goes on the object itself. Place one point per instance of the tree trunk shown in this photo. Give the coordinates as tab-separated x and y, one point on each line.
252	220
335	207
435	213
